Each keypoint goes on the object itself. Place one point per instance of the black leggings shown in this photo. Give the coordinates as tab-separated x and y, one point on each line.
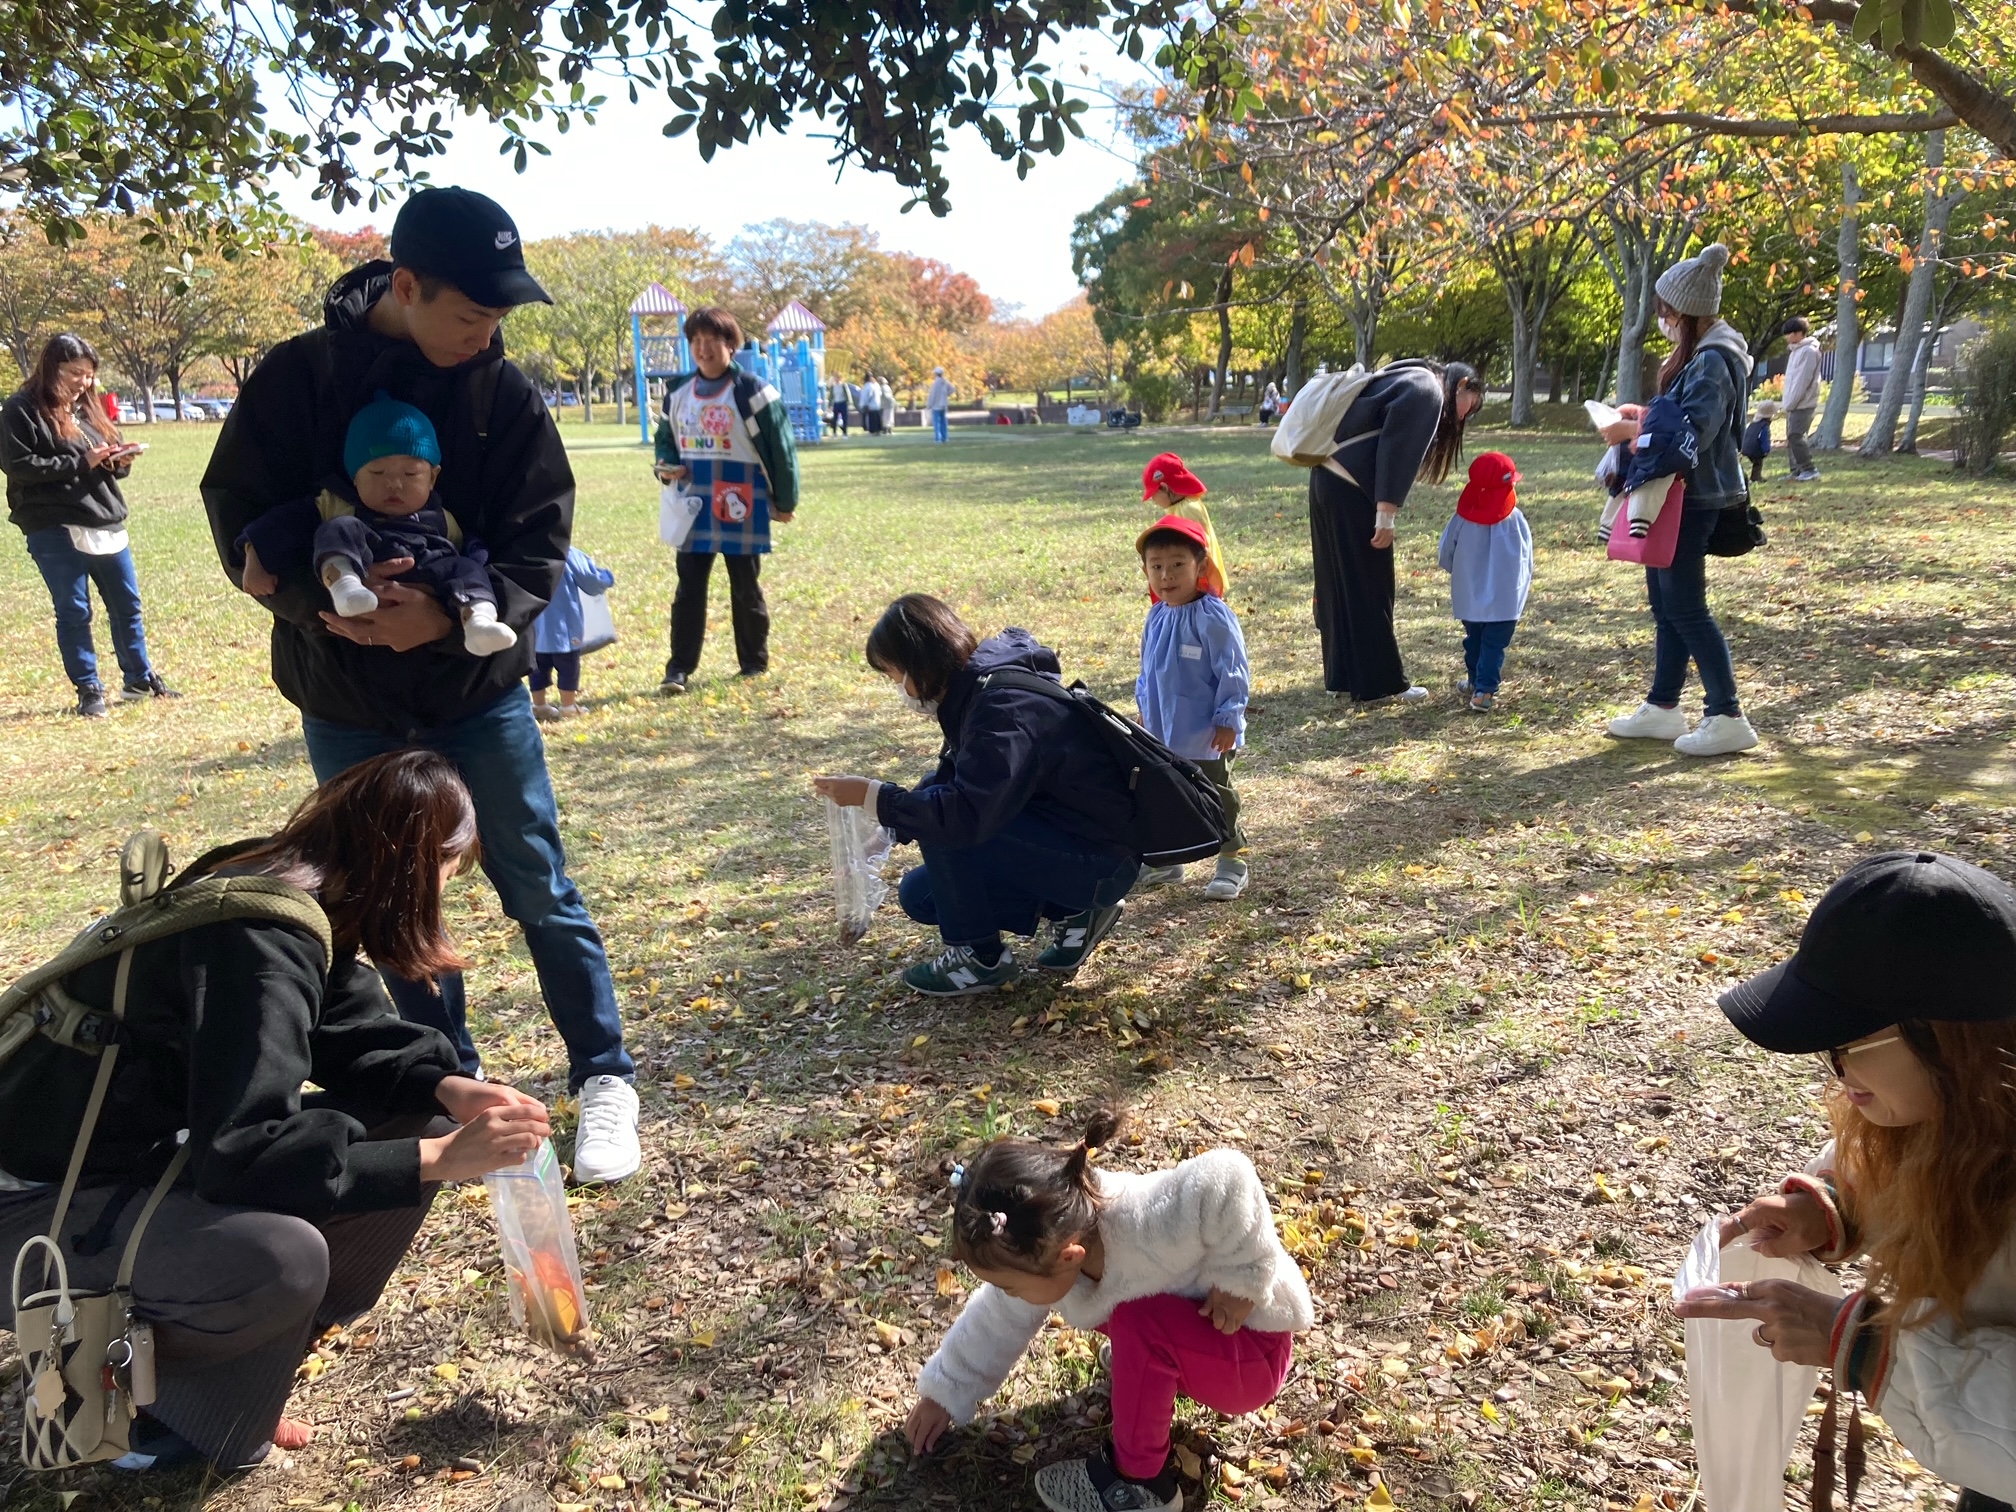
564	665
1354	592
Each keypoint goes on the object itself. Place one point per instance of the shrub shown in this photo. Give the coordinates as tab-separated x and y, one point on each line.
1987	399
1156	395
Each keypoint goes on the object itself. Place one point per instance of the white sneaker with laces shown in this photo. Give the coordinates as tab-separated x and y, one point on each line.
1717	735
1650	722
605	1139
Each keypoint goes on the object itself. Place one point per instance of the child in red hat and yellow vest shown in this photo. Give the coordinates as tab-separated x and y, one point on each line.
1487	550
1175	490
1194	679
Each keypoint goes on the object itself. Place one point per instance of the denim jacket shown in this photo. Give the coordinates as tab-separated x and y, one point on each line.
1711	395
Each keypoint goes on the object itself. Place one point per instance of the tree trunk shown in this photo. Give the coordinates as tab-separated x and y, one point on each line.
1917	303
620	396
175	391
1919	376
1298	333
1224	342
1603	377
1575	392
1847	318
1554	382
1523	343
585	387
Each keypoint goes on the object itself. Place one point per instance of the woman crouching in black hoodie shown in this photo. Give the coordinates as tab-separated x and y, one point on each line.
1023	821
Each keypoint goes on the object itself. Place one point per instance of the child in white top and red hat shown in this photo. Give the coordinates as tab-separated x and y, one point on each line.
1487	550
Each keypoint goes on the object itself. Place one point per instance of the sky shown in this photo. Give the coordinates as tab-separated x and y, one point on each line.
1014	237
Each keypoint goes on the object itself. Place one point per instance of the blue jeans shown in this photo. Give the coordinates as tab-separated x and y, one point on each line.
1029	872
1484	643
1684	629
70	574
938	424
501	756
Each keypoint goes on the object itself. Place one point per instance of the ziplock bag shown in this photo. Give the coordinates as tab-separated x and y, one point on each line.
537	1235
1746	1407
860	846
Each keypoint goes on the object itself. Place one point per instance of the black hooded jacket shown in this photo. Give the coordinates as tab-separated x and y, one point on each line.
512	489
47	481
1007	750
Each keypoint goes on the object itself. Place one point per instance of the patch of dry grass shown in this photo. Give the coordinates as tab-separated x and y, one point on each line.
1461	1020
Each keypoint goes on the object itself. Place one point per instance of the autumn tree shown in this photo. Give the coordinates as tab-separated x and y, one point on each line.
38	289
152	304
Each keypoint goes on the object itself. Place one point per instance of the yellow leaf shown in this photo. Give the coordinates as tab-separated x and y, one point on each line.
610	1482
1380	1500
681	1082
948	1281
312	1367
920	1042
448	1370
658	1417
1488	1410
1364	1459
1734	916
1049	1107
1863	837
704	1338
1230	1475
1415	871
888	1335
470	1275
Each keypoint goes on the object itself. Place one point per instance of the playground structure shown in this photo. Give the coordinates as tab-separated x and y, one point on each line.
791	358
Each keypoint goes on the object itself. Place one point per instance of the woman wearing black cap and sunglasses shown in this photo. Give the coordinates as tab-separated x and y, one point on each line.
1904	983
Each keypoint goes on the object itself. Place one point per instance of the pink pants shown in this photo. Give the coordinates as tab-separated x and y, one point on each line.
1163	1349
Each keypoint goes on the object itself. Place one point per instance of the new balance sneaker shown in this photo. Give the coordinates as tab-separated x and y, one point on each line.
1078	936
1717	735
150	686
1650	722
605	1138
1228	881
958	972
1160	876
1093	1485
91	701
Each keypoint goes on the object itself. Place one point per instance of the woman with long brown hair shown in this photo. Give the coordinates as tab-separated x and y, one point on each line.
1404	427
64	457
293	1209
1904	984
1708	376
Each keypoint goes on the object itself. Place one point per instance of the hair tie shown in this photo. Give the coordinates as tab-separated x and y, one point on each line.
1000	1222
958	1177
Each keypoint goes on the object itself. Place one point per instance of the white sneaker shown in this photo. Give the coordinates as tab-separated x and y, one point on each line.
483	633
1160	876
1717	735
605	1139
349	597
1415	695
1650	722
1228	881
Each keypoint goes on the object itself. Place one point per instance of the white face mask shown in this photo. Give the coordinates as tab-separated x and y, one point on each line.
1670	329
925	706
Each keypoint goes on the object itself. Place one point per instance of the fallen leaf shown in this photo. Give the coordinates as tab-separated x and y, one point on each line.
888	1335
657	1417
681	1082
948	1281
1230	1476
448	1370
704	1338
1188	1463
1049	1107
1381	1500
920	1042
610	1482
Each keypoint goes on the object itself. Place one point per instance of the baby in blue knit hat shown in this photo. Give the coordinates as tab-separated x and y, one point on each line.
386	509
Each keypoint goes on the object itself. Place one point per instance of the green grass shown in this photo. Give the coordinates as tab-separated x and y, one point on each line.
1462	932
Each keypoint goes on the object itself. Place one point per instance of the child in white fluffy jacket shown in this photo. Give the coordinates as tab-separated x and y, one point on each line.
1180	1269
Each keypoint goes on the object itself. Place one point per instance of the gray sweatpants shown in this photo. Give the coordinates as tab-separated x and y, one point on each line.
235	1294
1797	423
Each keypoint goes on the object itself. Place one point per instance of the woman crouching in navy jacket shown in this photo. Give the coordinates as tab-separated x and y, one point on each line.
1023	821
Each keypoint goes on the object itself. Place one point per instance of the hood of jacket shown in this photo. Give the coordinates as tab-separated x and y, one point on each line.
1013	647
1722	334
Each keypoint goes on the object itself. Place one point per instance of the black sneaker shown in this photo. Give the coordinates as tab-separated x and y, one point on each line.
674	683
754	672
91	701
1077	936
151	687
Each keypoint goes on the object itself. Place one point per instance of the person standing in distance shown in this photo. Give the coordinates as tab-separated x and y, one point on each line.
424	327
938	402
725	436
1802	396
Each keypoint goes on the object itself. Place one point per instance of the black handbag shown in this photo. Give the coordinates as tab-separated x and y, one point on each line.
1739	530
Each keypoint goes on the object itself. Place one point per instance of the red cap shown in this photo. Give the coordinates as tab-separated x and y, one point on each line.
1167	471
1489	496
1207	574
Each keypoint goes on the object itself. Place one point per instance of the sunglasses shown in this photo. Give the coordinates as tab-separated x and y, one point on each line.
1834	1060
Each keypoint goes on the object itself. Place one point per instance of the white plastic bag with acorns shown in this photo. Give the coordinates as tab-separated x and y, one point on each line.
860	847
1745	1406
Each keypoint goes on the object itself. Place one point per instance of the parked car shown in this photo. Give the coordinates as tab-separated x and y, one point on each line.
164	409
130	414
214	409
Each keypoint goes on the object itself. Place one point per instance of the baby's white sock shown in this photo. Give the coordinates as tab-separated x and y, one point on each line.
347	592
483	633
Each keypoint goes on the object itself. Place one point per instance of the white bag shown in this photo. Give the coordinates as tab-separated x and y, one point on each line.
860	846
598	623
1307	435
677	510
1746	1407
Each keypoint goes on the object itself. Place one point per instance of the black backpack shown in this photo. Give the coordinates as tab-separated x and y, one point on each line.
1178	815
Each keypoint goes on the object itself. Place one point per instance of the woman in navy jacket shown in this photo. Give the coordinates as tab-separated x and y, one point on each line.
1023	821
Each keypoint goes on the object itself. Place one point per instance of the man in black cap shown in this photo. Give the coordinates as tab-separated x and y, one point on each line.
424	328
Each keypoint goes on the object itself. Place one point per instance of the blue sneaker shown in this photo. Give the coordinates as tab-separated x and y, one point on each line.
1078	936
958	972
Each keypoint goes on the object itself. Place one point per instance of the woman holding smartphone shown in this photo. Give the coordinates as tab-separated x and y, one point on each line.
64	458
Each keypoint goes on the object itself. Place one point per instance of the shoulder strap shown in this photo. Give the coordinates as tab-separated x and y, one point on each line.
124	1283
96	1103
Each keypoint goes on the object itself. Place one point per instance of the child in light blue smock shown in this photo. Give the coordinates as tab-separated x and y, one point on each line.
1487	550
1194	681
563	634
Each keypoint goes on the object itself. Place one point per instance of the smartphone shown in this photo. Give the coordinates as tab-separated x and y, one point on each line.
131	449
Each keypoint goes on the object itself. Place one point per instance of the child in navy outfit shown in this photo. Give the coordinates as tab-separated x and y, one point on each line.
560	637
384	510
1757	439
1194	680
1487	550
